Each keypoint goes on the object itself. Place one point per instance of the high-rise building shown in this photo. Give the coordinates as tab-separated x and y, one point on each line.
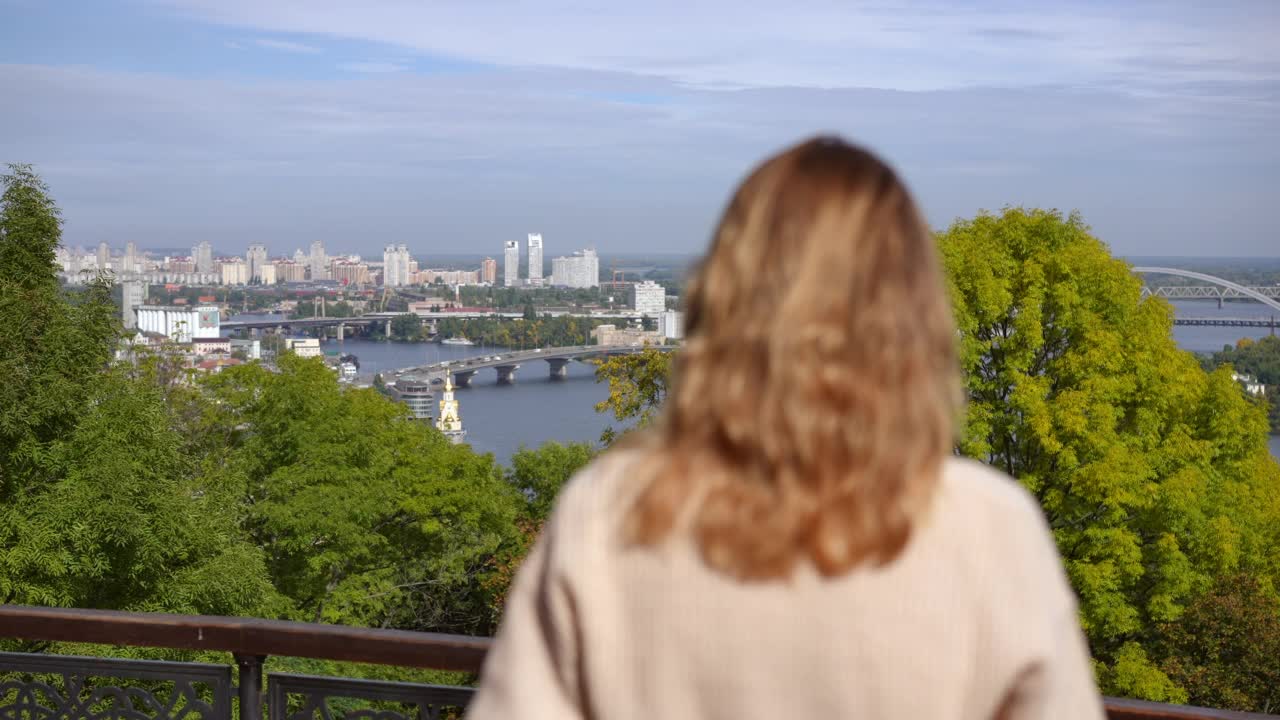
131	260
535	259
104	255
256	258
648	298
348	272
671	324
318	262
233	271
290	271
489	271
511	264
397	266
202	256
300	257
268	274
579	270
133	294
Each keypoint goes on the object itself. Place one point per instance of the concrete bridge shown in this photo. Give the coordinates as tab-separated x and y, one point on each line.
386	318
507	363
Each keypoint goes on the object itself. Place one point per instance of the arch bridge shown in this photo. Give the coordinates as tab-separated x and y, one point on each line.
1224	288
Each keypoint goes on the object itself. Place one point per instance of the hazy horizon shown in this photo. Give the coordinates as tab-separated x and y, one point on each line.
454	127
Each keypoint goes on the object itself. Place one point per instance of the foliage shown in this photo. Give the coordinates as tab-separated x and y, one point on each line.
99	504
407	327
539	474
1154	476
1225	646
637	387
1261	359
363	513
560	331
506	298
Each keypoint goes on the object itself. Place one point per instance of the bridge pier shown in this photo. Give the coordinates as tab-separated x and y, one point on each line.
559	368
342	332
506	374
1219	301
463	378
388	329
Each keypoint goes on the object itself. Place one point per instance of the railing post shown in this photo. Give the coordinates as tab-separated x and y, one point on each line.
250	685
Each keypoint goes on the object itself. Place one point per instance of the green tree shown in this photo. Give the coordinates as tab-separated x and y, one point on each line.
100	505
637	388
1153	475
539	474
366	516
1261	360
406	327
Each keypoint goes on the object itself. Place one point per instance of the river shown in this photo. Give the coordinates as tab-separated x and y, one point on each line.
535	409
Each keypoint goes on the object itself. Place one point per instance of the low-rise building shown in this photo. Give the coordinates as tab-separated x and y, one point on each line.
1250	384
416	395
252	347
303	347
204	347
632	337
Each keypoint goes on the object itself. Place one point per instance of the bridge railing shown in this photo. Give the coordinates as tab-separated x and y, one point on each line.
39	685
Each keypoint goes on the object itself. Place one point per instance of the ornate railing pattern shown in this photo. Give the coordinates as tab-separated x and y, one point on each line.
38	686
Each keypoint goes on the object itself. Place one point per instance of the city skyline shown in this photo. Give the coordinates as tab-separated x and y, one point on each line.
159	121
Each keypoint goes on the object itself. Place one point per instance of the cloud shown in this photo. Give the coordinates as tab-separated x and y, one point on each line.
287	46
454	162
372	67
891	44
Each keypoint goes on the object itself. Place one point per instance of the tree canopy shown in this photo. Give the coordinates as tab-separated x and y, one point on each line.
99	504
1154	476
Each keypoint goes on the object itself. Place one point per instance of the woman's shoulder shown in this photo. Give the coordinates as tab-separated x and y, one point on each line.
992	515
985	491
599	492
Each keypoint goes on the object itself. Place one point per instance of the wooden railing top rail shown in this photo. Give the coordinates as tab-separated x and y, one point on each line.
253	637
246	636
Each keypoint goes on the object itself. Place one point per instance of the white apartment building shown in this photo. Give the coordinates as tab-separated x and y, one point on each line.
318	262
511	263
202	256
234	272
671	324
579	270
267	274
535	259
396	266
256	258
648	298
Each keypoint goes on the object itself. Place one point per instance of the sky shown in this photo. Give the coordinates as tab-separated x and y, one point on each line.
454	126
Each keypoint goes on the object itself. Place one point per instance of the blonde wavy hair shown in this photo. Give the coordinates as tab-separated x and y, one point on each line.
814	399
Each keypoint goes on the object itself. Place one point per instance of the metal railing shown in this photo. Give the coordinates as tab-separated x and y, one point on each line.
39	685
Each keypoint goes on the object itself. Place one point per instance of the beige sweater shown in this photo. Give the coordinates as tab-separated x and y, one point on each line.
974	620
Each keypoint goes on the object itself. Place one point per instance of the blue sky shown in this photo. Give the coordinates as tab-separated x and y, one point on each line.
453	126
